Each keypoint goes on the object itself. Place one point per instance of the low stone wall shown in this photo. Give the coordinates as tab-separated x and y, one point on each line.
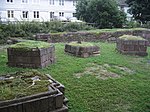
51	101
34	58
94	37
82	51
75	36
136	47
42	37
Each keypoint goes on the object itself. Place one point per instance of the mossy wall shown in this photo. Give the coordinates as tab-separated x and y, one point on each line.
51	101
134	45
94	37
83	51
31	58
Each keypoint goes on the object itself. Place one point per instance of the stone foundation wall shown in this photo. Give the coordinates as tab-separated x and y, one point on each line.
82	51
136	47
94	37
34	58
51	101
75	36
42	37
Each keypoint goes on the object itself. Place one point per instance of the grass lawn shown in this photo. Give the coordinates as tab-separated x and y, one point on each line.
130	92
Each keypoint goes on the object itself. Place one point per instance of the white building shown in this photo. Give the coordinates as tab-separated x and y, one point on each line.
37	10
124	7
42	10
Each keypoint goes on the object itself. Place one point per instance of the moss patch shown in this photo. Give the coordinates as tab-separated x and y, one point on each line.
27	45
131	37
114	30
105	71
22	84
83	44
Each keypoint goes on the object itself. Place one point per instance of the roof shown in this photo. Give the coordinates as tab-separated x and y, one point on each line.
121	2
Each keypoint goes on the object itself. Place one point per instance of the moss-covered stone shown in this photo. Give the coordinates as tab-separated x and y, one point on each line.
131	37
82	44
27	45
134	45
22	84
82	49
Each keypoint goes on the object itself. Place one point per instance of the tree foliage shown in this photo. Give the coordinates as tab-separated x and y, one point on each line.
104	13
140	9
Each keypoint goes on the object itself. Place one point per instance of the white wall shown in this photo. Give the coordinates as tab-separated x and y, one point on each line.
129	16
43	7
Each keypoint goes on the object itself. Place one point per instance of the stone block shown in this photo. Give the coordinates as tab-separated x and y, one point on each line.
82	51
134	47
51	101
34	58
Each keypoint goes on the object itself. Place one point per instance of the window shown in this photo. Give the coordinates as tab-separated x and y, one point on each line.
36	1
74	14
74	2
36	14
25	14
61	14
10	1
51	15
61	2
24	1
51	2
10	14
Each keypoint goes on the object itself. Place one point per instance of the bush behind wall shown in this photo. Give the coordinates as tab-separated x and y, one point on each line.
28	29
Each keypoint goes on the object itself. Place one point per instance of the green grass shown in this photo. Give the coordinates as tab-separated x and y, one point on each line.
129	93
30	44
114	30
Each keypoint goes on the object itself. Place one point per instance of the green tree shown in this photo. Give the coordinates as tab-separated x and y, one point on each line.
104	13
140	9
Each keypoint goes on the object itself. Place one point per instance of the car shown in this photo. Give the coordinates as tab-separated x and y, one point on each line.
4	20
60	18
74	19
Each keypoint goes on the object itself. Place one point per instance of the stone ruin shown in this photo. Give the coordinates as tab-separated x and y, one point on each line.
136	45
82	49
51	101
43	37
31	58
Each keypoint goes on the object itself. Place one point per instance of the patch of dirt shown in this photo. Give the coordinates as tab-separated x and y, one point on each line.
125	69
105	71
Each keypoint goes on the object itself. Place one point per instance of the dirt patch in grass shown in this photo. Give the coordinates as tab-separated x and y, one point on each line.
105	71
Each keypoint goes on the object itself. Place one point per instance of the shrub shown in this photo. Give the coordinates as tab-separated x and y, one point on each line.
76	27
72	27
132	24
54	26
28	29
147	25
3	35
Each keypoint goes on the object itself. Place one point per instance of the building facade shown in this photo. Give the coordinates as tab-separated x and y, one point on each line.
124	7
43	10
36	10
